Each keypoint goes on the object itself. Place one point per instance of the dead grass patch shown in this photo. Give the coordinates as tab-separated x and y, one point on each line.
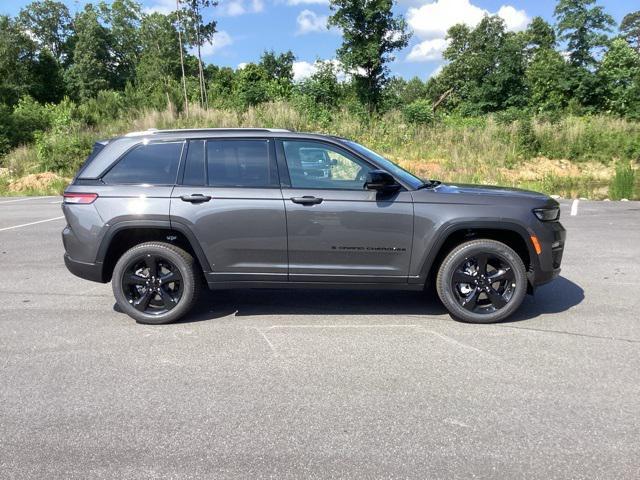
38	182
541	167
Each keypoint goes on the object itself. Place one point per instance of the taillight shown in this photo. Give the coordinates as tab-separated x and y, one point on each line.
80	198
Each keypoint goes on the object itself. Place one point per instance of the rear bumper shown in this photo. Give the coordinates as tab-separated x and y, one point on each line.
88	271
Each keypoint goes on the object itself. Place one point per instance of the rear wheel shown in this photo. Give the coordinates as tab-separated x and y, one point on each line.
482	281
155	282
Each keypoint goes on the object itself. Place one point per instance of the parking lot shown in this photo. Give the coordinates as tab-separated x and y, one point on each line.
321	384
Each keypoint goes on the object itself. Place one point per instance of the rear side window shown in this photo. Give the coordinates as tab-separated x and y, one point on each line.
194	173
154	163
240	163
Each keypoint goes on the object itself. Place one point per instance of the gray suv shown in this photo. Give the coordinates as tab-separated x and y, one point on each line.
160	213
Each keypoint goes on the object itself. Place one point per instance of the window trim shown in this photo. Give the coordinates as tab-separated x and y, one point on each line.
137	145
336	147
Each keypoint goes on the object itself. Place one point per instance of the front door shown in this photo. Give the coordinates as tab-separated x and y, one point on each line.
337	230
230	198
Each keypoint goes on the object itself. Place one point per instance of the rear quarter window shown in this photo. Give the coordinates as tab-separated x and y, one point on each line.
153	163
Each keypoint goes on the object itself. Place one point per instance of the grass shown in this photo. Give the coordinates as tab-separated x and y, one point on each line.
575	157
623	183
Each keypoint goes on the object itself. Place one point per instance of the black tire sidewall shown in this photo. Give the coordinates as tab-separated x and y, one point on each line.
457	256
181	259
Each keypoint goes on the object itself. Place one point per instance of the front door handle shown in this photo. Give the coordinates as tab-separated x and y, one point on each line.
195	198
306	200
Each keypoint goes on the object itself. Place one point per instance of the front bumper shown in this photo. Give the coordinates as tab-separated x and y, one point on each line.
552	241
88	271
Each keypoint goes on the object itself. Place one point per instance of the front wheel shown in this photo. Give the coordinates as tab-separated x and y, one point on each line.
155	282
482	281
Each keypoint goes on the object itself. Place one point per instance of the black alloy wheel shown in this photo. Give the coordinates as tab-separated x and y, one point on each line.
156	282
152	284
483	283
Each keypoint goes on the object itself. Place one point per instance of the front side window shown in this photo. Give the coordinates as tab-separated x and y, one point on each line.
240	163
317	165
153	164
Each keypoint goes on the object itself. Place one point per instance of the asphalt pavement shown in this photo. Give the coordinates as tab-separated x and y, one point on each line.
321	384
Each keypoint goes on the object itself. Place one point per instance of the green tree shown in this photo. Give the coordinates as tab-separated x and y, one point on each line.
486	68
50	24
48	78
584	27
630	29
252	86
279	71
17	54
540	34
370	33
278	67
221	81
619	75
399	92
548	82
198	32
158	67
123	19
322	87
91	70
17	57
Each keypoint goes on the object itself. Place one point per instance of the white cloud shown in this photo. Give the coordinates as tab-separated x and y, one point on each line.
433	19
428	50
234	8
242	65
302	69
309	22
516	20
165	7
221	40
307	2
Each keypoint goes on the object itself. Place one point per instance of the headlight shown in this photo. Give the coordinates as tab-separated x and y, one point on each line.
547	214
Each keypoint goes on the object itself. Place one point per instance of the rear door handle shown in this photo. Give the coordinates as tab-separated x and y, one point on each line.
306	200
195	198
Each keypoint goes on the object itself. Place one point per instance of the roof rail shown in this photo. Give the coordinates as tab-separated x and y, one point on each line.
152	131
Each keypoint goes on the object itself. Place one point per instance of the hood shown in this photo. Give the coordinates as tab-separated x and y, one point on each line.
490	190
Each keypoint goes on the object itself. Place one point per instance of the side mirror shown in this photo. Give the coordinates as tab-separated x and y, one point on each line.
381	181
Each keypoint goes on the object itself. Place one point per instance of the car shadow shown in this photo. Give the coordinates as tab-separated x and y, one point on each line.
559	296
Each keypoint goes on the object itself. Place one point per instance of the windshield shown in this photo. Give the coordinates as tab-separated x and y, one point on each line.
399	172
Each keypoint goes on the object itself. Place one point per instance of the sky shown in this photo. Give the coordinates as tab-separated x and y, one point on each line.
246	28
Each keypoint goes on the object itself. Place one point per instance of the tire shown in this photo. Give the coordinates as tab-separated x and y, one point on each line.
466	288
161	298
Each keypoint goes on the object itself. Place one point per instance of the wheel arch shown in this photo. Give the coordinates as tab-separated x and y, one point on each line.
124	235
512	234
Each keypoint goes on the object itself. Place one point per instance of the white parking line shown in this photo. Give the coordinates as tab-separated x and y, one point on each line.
25	199
32	223
574	207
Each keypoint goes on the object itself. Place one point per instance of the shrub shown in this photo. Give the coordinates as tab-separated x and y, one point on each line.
623	182
29	117
528	144
108	105
419	112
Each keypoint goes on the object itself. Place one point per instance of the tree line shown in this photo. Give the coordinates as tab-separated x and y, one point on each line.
113	57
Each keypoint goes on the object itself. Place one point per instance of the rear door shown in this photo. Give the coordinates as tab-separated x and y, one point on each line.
230	199
337	230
